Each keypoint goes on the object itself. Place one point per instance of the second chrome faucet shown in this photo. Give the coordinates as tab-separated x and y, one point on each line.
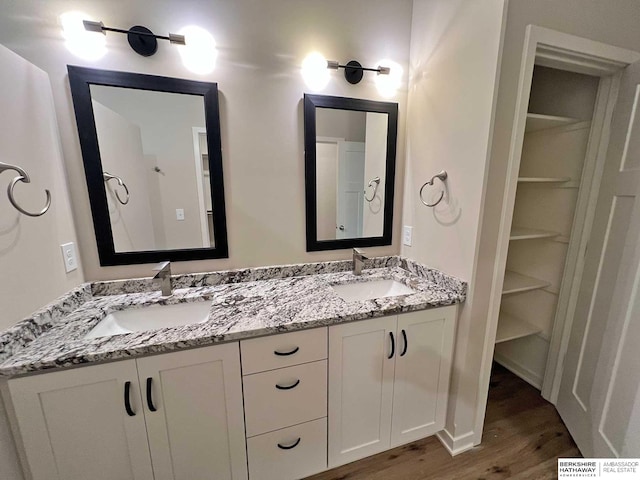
164	277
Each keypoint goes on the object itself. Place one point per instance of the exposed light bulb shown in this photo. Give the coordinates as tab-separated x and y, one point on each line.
82	43
314	71
389	84
199	54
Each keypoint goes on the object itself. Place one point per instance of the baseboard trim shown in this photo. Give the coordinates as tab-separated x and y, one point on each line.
455	445
520	370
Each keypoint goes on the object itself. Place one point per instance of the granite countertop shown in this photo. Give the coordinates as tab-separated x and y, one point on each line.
244	303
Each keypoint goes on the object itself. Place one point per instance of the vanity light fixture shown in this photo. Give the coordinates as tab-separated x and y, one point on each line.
353	70
142	40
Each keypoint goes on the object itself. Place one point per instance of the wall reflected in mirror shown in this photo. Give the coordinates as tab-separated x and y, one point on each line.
351	153
155	144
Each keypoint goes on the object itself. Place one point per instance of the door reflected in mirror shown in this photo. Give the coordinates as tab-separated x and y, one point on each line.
351	151
155	143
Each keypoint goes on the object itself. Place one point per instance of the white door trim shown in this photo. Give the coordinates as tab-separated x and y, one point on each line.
204	222
568	52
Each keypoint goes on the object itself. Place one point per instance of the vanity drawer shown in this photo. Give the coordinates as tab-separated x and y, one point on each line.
285	397
283	350
306	455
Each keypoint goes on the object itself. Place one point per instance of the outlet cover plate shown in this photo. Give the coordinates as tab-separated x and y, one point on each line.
69	256
407	235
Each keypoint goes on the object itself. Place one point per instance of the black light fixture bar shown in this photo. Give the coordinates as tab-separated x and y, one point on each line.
353	70
136	36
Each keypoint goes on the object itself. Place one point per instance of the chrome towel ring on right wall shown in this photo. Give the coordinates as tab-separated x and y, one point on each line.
442	176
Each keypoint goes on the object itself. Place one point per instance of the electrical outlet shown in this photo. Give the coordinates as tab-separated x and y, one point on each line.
407	234
179	213
69	256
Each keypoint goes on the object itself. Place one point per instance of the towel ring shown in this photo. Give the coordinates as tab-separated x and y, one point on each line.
107	176
22	177
442	176
375	189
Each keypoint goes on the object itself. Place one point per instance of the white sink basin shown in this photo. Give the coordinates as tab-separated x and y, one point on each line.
151	318
356	292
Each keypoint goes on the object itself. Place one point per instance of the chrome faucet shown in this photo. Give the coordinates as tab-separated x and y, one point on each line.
358	261
164	275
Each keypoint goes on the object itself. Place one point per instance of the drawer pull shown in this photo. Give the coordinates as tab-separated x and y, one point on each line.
393	346
127	400
284	354
288	387
289	447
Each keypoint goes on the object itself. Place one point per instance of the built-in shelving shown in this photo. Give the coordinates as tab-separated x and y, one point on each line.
537	122
521	233
511	327
543	179
517	283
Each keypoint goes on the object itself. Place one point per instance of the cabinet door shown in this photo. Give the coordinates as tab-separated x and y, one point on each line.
360	388
423	367
74	424
193	408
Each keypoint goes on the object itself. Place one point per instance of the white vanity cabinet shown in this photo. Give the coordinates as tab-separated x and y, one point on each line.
99	422
388	381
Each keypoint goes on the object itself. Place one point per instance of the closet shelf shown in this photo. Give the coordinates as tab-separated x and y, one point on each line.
517	283
520	233
543	179
537	122
510	328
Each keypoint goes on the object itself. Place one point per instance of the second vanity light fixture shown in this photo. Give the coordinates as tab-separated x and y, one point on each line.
354	71
142	40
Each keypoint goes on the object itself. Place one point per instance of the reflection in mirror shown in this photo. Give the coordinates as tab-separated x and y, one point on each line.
350	165
153	163
155	143
351	151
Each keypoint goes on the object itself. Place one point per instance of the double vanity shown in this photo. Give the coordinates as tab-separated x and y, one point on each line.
297	369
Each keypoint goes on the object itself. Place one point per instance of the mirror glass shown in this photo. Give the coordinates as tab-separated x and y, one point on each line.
154	143
350	165
351	151
153	164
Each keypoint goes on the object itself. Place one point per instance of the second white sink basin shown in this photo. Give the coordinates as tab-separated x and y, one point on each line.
356	292
151	318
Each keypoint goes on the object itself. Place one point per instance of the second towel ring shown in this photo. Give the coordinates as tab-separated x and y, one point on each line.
442	176
376	180
107	176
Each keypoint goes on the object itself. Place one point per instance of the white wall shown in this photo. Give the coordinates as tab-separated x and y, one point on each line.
121	155
602	20
31	267
261	47
455	49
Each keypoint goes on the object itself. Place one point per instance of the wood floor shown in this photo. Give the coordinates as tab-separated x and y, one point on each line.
523	438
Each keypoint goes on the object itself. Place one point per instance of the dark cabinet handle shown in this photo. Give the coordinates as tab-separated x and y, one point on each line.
127	400
288	387
289	447
149	399
406	345
393	346
284	354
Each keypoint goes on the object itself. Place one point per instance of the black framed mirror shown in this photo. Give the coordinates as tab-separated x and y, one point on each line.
350	163
153	165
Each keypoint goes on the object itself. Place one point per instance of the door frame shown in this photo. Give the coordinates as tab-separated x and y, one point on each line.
550	48
204	219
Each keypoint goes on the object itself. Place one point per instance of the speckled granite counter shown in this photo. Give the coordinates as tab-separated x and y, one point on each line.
244	303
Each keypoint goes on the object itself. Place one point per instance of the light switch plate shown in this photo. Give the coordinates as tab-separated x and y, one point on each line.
407	235
69	256
179	213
